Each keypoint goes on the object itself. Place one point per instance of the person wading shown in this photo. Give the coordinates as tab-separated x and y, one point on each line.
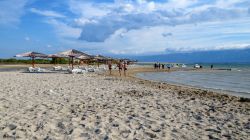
125	67
119	65
110	67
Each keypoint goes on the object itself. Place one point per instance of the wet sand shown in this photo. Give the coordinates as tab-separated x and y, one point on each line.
92	106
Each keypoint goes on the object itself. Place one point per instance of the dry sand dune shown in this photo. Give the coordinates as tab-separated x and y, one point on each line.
66	106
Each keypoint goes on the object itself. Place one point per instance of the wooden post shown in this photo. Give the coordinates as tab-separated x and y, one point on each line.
54	60
72	62
33	62
69	61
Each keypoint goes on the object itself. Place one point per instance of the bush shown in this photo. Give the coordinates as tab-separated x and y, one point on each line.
38	61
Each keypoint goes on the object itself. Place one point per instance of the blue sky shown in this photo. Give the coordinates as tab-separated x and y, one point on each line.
123	27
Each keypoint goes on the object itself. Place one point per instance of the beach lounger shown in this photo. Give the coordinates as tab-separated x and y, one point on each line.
81	67
90	69
57	68
78	71
65	68
31	69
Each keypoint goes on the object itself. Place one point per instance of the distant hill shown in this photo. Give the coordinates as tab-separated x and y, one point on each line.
222	56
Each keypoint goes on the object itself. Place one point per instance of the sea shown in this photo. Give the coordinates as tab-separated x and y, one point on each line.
233	78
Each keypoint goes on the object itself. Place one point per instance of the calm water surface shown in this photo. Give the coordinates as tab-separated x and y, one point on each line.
237	81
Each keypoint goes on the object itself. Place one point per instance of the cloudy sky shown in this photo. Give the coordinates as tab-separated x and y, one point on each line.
123	27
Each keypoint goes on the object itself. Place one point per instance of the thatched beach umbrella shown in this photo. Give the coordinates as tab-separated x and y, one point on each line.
85	57
32	55
100	58
71	54
55	56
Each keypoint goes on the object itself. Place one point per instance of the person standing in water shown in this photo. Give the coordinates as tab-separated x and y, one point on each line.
125	67
119	65
212	66
110	67
169	67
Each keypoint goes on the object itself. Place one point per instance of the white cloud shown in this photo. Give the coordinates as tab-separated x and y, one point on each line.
79	22
47	13
136	15
11	11
88	9
218	35
147	26
49	46
181	3
64	30
27	38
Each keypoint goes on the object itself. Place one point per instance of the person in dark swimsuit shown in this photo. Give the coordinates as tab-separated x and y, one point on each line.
212	66
110	67
119	65
125	68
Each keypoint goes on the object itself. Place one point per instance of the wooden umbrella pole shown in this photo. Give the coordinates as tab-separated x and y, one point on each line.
33	62
54	61
72	63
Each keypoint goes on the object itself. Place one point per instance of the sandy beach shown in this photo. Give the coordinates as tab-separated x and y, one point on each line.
91	106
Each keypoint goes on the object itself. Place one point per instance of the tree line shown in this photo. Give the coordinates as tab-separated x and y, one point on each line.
38	61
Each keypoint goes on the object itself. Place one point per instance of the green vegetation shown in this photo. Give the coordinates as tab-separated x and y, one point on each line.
38	61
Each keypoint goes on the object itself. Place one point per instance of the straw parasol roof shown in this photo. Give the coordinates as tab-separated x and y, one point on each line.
84	57
72	53
100	57
31	54
55	56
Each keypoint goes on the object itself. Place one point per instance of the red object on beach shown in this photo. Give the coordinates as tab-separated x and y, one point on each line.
32	55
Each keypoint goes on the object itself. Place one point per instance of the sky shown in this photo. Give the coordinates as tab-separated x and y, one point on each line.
123	27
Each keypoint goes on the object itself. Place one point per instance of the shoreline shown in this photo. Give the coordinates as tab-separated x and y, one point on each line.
178	87
131	74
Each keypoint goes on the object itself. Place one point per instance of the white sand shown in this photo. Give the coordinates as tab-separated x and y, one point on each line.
65	106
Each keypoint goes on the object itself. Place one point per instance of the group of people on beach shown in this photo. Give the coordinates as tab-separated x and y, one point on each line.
160	66
121	65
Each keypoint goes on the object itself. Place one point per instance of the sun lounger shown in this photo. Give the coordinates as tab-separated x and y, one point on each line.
82	67
65	69
57	68
78	71
90	69
31	69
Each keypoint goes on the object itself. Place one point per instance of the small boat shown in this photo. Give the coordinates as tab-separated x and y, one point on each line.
183	66
175	66
197	66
